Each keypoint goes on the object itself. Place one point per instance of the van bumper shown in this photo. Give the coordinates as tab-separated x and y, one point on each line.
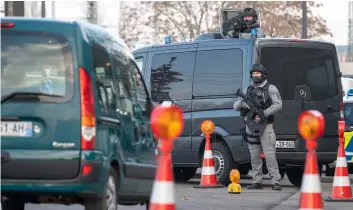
84	186
298	158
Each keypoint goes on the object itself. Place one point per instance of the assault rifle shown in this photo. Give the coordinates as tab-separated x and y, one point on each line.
255	110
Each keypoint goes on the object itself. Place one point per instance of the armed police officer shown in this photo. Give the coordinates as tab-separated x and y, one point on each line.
258	104
245	22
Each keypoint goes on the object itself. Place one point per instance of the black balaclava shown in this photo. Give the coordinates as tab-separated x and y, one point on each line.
249	12
258	68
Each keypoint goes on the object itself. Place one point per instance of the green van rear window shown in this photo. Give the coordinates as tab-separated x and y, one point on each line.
36	62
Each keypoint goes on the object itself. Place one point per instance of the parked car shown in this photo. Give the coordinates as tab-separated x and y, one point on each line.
78	130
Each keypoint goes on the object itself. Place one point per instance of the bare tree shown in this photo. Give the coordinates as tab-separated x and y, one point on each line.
186	19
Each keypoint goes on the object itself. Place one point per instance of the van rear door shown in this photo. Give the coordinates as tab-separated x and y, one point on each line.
307	77
40	118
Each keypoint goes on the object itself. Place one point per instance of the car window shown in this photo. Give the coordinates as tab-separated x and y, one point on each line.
218	72
139	86
124	85
348	113
314	68
139	62
36	62
171	76
104	79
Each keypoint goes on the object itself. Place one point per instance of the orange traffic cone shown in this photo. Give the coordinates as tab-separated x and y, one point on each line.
208	174
163	196
341	189
310	197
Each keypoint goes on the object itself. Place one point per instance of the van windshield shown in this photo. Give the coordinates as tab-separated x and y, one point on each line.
348	114
39	62
290	66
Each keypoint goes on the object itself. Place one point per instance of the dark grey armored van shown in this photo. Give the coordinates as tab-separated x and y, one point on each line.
203	76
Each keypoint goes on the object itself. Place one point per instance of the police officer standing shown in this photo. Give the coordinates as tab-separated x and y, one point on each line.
270	99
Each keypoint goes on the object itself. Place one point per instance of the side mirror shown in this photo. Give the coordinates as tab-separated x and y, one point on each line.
348	129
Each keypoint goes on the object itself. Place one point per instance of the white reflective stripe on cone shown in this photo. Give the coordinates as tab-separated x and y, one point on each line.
163	193
207	154
208	170
311	183
339	181
341	162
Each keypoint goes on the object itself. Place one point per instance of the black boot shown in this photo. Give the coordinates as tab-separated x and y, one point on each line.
276	187
255	186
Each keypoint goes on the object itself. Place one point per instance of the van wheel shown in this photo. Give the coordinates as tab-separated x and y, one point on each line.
222	161
295	175
109	200
184	174
12	204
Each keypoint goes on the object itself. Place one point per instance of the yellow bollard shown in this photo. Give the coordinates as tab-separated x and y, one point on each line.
234	187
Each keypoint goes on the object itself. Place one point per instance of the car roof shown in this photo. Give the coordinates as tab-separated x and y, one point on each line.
217	42
90	32
85	27
348	100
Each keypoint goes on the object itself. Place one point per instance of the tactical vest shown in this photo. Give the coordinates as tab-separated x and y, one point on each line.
261	95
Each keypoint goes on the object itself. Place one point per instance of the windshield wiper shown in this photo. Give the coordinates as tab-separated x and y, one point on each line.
27	95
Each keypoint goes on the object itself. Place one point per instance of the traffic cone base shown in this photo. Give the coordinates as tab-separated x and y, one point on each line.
208	173
341	188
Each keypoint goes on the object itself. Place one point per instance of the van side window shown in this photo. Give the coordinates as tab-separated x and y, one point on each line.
124	86
141	92
171	76
104	79
218	72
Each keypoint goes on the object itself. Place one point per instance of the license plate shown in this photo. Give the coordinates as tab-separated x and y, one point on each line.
285	144
21	129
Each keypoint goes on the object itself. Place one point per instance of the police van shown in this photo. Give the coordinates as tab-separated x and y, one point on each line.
348	134
203	76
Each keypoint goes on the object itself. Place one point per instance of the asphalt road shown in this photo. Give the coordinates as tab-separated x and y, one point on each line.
189	198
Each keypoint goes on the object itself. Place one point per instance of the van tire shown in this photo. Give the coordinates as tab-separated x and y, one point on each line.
222	158
12	204
100	203
295	175
184	174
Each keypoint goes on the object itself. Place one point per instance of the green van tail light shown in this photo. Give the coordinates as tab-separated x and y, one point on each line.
88	117
7	25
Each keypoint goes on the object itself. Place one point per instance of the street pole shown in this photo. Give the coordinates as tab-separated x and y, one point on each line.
43	9
8	8
53	9
304	20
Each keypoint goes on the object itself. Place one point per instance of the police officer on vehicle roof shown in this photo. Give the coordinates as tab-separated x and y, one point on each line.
270	100
246	22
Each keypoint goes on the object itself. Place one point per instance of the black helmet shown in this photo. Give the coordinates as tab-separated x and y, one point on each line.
250	12
258	68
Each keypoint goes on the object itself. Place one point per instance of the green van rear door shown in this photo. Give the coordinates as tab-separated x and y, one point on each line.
40	103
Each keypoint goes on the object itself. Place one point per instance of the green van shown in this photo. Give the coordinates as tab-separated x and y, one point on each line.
74	117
